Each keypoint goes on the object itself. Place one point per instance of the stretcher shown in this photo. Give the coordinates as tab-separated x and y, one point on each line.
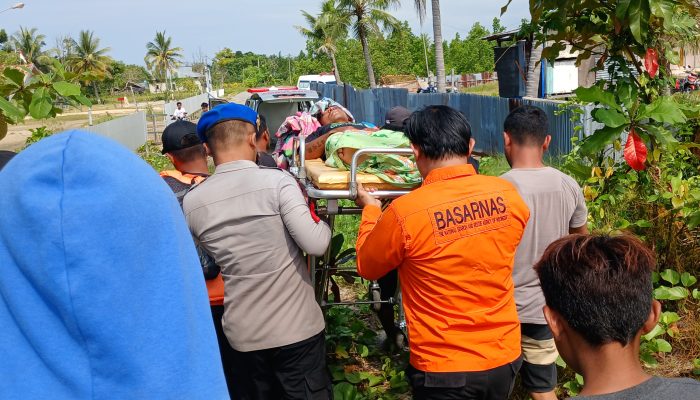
330	185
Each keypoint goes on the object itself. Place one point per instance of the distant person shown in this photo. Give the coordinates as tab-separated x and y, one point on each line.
101	294
5	157
205	107
557	208
180	112
262	143
257	225
600	302
453	242
185	151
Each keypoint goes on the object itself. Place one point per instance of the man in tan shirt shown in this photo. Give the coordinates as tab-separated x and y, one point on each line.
256	224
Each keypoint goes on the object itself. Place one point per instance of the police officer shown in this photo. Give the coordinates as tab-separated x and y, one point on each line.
256	224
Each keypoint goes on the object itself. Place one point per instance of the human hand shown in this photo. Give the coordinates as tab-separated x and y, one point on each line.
365	198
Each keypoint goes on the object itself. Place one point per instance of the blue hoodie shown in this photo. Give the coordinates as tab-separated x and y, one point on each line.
101	292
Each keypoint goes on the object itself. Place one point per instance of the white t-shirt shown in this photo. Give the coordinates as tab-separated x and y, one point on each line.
180	113
556	204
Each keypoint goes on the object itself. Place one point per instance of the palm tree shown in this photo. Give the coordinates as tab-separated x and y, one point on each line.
88	60
161	57
367	16
326	29
30	43
437	33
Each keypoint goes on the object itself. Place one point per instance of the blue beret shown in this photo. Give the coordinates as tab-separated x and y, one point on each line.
225	112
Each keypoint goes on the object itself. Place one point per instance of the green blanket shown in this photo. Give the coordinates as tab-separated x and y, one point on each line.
399	170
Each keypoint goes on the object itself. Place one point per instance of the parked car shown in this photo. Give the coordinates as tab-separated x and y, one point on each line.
304	81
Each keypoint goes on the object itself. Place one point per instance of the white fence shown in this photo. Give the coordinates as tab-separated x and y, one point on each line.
130	131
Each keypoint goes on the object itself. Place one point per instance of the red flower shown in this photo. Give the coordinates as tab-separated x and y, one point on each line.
635	151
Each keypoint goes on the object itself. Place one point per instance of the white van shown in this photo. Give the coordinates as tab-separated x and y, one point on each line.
304	81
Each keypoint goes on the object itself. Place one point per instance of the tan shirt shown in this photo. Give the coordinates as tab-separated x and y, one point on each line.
256	224
556	204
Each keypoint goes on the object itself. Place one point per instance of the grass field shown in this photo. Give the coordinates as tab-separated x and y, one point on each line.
487	89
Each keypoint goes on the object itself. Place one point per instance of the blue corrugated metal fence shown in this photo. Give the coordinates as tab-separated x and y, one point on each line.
485	113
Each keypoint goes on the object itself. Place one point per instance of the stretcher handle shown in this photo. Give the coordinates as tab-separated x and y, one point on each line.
370	150
298	148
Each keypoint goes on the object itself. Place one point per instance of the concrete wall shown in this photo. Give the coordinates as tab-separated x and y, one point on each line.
130	131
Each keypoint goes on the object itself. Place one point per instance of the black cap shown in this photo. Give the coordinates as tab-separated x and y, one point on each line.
397	116
180	135
5	157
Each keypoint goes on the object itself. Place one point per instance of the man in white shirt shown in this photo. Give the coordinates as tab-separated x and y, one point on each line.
180	112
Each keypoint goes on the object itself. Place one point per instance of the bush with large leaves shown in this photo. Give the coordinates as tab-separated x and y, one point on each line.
25	92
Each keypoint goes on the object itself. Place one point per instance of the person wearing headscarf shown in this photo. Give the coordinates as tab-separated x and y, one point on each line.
101	291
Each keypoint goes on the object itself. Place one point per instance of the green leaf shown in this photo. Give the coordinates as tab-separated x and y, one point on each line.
648	359
639	20
601	138
15	76
658	330
345	391
696	294
688	280
621	10
596	94
610	118
663	346
678	293
664	110
353	377
341	352
83	100
13	113
41	104
671	276
669	318
364	351
66	89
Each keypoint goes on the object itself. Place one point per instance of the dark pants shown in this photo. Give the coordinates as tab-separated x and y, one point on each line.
227	353
297	371
493	384
388	284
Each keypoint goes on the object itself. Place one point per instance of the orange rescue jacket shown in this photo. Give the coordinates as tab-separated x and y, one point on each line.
453	241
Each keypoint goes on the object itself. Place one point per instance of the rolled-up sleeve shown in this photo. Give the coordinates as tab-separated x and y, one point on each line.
311	236
380	243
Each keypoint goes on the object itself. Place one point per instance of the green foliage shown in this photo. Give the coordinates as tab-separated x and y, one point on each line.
353	345
36	135
36	94
161	57
150	152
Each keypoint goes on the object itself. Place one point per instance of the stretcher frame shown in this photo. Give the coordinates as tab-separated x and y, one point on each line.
330	211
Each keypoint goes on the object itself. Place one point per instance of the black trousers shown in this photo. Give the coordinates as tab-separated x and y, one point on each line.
227	353
297	371
493	384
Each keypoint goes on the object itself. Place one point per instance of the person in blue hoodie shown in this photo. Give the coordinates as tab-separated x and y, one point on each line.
101	292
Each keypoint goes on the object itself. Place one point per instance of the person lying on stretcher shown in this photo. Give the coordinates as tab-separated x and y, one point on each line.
333	118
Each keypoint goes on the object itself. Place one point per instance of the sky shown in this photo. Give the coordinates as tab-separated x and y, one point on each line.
205	27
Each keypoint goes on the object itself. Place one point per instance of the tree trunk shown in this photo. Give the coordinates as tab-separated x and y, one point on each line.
335	69
534	72
439	52
97	93
368	60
